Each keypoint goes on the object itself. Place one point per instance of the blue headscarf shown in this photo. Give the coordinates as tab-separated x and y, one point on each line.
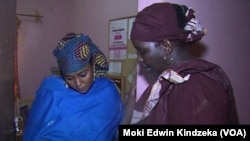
75	51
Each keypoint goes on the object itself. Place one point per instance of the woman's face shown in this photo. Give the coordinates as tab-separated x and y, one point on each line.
82	80
151	56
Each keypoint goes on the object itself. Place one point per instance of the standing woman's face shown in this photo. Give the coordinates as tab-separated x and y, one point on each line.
151	56
82	80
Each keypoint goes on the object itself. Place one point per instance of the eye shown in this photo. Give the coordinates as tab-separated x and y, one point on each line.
68	78
84	74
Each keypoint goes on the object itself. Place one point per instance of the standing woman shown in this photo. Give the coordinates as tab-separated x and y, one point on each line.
79	105
188	90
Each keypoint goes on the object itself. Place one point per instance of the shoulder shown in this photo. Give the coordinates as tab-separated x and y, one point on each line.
105	86
216	72
197	66
52	82
104	83
205	71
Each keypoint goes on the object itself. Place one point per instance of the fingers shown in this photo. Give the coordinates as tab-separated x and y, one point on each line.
130	104
132	91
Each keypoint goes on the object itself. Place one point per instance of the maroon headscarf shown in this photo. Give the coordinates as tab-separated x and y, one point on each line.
161	20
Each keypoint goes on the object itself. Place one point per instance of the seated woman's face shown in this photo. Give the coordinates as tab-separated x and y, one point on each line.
82	80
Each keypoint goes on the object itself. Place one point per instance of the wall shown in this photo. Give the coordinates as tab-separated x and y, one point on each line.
228	43
92	17
228	36
93	20
37	40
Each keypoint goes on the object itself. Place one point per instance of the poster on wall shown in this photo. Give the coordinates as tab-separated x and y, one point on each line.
118	39
115	67
117	53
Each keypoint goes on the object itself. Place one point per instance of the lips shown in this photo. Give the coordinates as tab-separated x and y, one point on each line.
81	90
149	69
146	67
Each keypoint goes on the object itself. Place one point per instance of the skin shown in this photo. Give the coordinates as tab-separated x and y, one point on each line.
151	55
130	102
82	80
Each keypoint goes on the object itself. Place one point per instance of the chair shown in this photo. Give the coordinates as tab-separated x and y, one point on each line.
24	112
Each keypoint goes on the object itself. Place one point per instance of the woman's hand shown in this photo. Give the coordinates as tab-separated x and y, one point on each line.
131	100
132	92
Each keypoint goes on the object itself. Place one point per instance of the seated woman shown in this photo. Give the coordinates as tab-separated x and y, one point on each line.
79	105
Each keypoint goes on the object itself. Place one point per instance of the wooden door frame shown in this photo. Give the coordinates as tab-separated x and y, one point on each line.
7	46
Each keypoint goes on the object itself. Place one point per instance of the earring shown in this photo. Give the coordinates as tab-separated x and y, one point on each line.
168	59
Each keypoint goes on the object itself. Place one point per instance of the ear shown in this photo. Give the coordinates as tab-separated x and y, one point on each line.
168	48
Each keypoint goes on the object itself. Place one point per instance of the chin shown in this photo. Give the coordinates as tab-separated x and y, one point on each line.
152	72
155	74
81	91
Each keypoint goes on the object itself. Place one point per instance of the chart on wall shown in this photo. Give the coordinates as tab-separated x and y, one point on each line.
118	39
122	54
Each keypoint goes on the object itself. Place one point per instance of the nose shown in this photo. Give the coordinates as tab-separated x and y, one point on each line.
77	82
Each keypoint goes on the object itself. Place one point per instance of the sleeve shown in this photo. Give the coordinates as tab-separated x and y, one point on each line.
232	112
40	114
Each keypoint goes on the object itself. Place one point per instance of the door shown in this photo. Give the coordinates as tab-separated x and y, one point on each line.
7	46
